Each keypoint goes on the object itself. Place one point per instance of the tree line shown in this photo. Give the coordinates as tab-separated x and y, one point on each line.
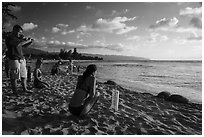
63	54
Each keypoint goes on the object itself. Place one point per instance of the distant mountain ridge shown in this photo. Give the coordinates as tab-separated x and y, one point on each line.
33	51
105	57
116	57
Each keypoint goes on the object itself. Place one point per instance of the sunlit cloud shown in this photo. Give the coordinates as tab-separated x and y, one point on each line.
165	24
71	31
116	25
188	11
60	28
195	14
134	38
119	13
29	26
198	38
114	13
89	7
195	37
55	42
55	30
156	37
60	25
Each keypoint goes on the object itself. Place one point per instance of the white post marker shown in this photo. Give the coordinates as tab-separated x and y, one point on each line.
115	99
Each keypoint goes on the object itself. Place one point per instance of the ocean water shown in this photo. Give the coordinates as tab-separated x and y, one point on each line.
183	78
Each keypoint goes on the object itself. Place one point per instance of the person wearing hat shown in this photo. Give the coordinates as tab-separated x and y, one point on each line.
15	41
38	83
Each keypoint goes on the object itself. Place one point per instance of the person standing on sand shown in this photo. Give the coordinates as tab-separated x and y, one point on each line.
17	63
38	83
71	65
85	95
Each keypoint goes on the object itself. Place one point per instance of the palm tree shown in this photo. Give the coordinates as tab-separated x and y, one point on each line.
6	17
6	13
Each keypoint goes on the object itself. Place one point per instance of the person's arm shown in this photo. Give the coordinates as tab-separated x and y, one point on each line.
17	42
25	43
92	91
36	74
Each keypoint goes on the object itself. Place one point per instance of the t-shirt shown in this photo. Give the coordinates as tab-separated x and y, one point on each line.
14	51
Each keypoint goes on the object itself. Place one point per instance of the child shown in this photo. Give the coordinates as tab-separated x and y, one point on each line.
37	76
55	69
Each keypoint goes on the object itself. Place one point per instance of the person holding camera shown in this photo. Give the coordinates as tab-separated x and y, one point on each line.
17	63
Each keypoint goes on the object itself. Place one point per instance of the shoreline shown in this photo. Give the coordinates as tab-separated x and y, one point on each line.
45	112
154	89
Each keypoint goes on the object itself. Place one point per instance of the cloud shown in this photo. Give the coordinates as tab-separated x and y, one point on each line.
29	26
196	22
60	28
195	14
116	25
89	7
165	23
188	11
64	32
115	13
194	37
15	8
55	42
126	30
156	37
100	13
134	38
55	30
62	25
115	47
198	38
71	31
180	41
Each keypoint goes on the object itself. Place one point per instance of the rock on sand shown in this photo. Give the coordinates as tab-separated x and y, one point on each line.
178	99
164	95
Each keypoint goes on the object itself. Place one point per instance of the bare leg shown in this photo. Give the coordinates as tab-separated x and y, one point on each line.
24	84
14	85
89	103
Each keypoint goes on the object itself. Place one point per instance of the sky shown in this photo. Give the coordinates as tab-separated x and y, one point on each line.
154	30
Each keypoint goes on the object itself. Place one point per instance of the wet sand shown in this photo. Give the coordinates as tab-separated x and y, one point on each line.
45	112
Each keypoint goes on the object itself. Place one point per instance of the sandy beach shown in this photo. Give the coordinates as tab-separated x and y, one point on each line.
45	112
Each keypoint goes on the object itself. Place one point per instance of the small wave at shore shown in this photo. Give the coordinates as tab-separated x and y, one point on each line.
158	76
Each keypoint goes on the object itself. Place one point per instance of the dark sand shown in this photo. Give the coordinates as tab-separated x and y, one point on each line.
45	112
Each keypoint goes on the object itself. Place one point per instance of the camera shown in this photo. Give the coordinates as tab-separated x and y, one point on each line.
22	37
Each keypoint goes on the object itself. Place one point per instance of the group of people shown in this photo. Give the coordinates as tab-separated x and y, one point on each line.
84	96
70	68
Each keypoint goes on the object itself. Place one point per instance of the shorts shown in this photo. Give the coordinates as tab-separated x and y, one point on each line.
76	110
17	69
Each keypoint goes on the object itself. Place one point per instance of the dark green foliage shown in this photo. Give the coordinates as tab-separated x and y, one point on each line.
6	13
75	55
31	53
